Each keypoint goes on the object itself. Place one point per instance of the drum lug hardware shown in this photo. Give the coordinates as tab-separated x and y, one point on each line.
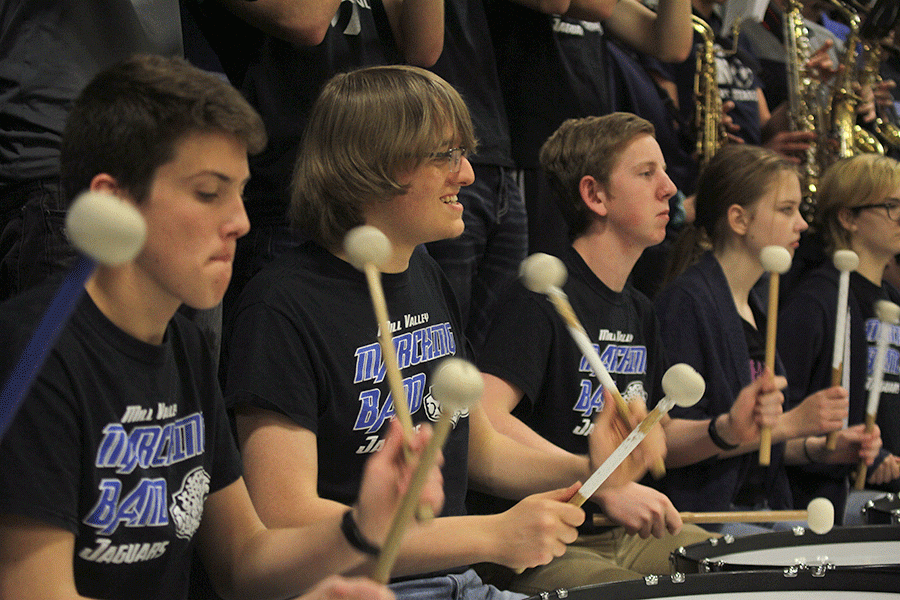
798	530
713	541
562	593
728	538
545	595
681	550
791	571
651	579
678	578
819	570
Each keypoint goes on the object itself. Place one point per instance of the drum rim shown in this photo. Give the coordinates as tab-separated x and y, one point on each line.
852	579
689	558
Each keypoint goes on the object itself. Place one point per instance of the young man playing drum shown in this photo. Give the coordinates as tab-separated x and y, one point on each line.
120	461
610	181
386	147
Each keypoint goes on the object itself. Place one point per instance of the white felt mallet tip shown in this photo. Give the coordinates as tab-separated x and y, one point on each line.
105	228
887	311
683	384
457	384
846	260
540	272
366	245
820	515
775	259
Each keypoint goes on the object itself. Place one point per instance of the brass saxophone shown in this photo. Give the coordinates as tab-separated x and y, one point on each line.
886	120
708	112
847	136
804	106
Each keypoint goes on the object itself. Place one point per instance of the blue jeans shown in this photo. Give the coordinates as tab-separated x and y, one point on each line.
33	242
462	586
486	257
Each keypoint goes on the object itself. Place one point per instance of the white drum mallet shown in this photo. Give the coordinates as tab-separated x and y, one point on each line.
845	261
368	249
776	260
888	314
457	385
683	386
546	274
105	230
819	516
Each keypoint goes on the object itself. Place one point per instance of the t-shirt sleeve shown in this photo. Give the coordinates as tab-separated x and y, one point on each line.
518	343
265	341
39	466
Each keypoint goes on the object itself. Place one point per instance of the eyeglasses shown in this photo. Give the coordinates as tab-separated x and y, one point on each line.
892	208
453	156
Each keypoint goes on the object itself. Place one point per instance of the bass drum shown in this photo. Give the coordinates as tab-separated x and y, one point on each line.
800	548
852	584
884	510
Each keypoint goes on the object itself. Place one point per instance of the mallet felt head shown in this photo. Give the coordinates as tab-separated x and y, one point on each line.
457	384
887	312
845	260
775	259
540	272
105	228
683	384
367	245
820	515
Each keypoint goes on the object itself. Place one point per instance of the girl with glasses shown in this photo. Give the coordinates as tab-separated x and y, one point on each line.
858	209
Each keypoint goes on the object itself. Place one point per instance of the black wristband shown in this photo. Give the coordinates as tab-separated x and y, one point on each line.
716	438
355	537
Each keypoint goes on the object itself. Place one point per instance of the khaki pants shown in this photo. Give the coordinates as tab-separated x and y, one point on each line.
609	556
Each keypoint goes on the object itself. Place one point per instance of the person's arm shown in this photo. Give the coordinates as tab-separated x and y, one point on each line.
666	34
499	399
281	465
757	405
35	560
248	556
299	22
853	444
418	27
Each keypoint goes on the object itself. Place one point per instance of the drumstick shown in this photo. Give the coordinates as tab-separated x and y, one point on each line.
776	260
456	384
845	261
104	230
368	249
889	315
819	515
683	386
545	274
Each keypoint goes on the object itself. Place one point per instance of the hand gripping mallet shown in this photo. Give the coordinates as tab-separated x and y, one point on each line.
546	274
845	261
368	249
104	229
819	516
683	386
456	384
776	260
888	314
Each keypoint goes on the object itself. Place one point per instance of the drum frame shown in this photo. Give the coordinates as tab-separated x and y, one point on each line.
874	514
856	579
712	555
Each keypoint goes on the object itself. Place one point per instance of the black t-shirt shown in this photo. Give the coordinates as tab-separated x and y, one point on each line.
305	345
119	442
530	347
551	68
888	415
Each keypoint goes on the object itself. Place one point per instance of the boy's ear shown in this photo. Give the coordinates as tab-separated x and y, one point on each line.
593	194
103	182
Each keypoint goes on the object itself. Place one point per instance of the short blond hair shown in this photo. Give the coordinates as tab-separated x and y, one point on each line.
848	183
